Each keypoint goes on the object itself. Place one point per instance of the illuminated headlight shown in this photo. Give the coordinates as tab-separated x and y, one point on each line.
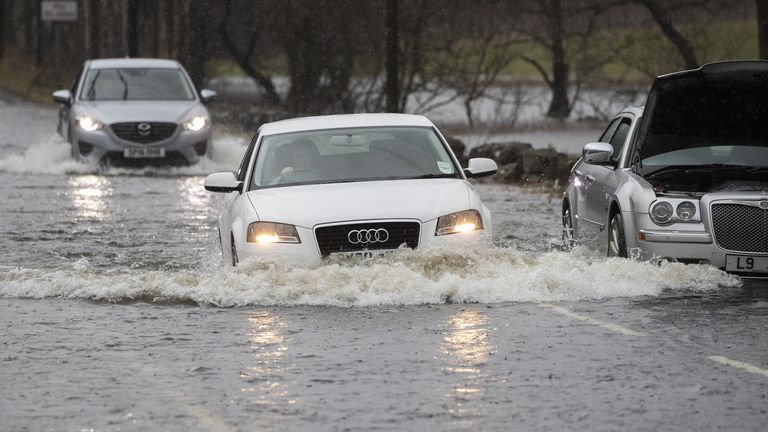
270	232
88	123
459	222
196	123
661	212
686	210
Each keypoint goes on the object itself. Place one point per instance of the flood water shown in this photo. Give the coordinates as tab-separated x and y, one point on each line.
119	314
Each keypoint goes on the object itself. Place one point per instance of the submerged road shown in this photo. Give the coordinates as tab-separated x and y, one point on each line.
117	315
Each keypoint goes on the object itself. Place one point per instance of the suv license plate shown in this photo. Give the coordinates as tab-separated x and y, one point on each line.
746	264
144	152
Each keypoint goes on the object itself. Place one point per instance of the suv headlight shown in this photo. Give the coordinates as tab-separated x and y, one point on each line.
271	232
88	123
459	222
196	123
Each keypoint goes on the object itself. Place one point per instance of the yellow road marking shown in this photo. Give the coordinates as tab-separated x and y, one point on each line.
606	325
739	365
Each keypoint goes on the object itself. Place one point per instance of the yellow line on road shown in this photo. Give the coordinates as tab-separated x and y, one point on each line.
739	365
606	325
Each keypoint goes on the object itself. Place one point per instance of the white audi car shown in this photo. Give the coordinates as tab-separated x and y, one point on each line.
353	185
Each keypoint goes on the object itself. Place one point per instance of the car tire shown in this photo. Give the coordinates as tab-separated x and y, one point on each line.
617	242
568	240
233	252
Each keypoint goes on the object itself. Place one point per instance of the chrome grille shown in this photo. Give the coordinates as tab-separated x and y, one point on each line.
739	227
333	239
131	132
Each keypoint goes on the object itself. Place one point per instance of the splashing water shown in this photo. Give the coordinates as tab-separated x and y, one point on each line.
426	276
53	156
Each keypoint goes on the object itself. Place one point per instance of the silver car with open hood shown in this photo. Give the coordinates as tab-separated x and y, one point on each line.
685	178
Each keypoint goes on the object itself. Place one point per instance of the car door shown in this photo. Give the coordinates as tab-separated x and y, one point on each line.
604	177
64	109
587	226
232	200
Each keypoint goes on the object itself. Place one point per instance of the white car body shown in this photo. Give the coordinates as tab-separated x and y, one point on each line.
135	111
352	210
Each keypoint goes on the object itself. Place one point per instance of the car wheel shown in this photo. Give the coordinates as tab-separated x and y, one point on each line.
234	254
567	236
617	243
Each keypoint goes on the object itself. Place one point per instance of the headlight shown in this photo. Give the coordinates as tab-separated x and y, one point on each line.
463	221
686	210
88	123
196	123
661	212
270	232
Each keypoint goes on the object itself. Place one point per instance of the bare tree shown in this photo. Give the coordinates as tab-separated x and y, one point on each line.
762	27
392	83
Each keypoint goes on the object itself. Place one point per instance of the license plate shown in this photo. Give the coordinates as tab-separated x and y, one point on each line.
746	264
144	152
364	254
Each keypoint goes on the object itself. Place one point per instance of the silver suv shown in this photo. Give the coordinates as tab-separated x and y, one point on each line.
135	111
685	178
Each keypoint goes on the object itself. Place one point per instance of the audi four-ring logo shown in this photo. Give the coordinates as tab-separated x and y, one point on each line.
372	235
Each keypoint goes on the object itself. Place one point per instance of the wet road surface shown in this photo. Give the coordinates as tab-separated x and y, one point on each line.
117	314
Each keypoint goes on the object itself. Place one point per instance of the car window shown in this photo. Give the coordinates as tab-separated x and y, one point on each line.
348	155
606	136
136	84
619	137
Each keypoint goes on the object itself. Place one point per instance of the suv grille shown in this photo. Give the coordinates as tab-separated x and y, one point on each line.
132	132
739	227
333	239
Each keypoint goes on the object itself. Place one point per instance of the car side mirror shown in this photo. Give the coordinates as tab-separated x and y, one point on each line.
222	182
62	96
207	95
597	153
480	167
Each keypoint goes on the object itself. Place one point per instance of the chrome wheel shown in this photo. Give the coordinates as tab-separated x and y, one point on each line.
567	236
234	254
617	246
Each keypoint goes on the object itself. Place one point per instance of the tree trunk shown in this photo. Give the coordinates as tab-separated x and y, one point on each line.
132	29
392	84
198	41
559	107
682	45
3	14
94	29
762	27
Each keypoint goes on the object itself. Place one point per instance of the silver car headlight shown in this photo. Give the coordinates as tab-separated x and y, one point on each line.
671	210
196	123
88	123
271	232
459	222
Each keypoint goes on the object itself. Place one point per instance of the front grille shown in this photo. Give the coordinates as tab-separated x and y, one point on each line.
333	239
140	134
739	227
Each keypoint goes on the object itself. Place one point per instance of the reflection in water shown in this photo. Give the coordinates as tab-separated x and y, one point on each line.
465	351
265	379
197	210
89	196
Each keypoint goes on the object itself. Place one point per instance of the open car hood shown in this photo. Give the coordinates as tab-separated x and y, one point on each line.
717	104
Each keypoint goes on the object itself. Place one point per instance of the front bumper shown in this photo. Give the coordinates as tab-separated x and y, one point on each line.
307	253
103	145
686	242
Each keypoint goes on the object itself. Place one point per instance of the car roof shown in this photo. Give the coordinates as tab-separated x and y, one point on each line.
340	121
110	63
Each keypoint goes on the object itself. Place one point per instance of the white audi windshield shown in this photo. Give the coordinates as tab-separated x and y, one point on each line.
348	155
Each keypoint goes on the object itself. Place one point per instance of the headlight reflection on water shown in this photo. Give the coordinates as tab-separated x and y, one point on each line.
266	376
89	196
465	350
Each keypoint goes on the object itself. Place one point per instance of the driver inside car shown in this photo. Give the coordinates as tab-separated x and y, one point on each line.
303	165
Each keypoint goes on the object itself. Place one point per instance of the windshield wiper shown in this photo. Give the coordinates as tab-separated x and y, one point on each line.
429	176
125	84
